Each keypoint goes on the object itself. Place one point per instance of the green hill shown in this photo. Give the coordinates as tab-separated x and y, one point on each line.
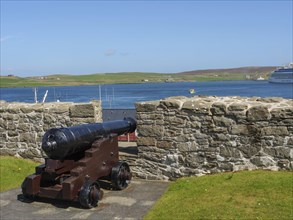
136	77
247	72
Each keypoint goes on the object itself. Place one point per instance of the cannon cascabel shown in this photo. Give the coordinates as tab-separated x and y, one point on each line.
61	143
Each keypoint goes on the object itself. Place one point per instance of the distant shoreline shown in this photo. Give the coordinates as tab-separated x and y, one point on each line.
92	84
243	73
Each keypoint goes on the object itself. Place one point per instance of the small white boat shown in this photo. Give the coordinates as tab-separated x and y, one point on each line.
191	91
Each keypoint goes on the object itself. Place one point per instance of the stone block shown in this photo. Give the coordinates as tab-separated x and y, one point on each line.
177	122
197	106
183	138
219	108
254	131
172	159
14	139
49	119
290	141
270	100
258	113
34	145
284	153
7	152
2	144
211	166
12	145
266	143
12	133
2	123
142	149
221	137
193	124
151	131
284	164
284	112
239	129
285	122
183	147
82	111
264	161
228	152
238	116
14	110
223	121
34	117
23	145
172	132
58	108
24	127
147	106
164	144
194	160
30	153
271	151
27	137
249	150
3	136
171	103
151	157
38	127
238	106
145	116
146	141
211	155
219	130
187	146
27	109
226	166
11	125
279	141
276	131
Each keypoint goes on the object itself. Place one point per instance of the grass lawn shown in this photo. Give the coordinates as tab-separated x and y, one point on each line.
13	171
242	195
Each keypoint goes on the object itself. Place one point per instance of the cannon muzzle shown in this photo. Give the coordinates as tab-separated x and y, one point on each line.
62	143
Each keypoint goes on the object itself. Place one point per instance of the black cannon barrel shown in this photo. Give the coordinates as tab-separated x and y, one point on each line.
61	143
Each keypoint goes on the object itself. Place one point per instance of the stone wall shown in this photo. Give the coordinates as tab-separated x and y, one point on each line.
22	125
182	136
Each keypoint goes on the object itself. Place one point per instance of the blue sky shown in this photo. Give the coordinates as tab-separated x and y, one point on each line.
84	37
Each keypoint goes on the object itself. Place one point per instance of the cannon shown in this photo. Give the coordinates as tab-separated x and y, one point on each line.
77	158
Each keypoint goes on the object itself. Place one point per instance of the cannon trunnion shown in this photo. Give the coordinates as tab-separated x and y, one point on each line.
78	157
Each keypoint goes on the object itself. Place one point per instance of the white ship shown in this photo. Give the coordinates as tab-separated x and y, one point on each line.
282	75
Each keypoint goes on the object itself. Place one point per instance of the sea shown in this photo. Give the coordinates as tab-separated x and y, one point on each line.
124	96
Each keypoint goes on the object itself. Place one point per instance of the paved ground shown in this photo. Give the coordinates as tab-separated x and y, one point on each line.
131	203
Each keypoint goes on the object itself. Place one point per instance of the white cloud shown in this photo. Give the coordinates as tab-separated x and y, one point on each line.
124	54
2	39
110	52
114	52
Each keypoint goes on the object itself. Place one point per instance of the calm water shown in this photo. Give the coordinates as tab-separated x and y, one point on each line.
123	96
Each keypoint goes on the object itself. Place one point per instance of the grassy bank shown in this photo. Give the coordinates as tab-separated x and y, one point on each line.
243	195
13	171
110	78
